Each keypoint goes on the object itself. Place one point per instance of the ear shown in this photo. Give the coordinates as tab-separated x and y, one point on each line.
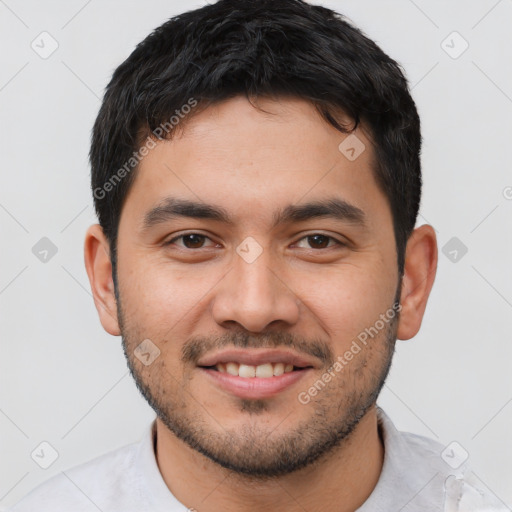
419	274
99	270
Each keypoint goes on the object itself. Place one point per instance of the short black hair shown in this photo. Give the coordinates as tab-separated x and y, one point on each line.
270	48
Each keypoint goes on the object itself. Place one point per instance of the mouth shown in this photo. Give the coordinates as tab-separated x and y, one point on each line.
255	374
247	371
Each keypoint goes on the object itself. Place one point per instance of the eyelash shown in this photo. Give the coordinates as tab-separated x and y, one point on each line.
337	242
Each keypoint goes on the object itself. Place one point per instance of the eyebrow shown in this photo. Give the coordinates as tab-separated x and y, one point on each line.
172	208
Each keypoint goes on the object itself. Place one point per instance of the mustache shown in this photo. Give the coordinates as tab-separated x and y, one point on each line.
194	349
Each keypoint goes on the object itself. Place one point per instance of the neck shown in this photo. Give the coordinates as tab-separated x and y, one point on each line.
340	481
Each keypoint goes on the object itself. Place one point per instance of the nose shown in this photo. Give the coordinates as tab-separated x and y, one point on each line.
254	296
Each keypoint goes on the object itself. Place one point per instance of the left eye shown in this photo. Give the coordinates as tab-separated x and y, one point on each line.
319	241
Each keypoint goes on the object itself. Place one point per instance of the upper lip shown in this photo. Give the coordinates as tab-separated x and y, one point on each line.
255	357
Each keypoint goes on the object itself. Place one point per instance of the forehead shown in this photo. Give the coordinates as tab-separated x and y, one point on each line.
244	159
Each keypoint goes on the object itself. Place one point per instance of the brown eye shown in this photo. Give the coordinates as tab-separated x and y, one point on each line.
190	241
318	241
193	241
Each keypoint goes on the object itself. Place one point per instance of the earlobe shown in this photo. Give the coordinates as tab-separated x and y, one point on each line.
99	270
419	274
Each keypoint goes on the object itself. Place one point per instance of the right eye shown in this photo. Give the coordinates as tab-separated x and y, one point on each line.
190	241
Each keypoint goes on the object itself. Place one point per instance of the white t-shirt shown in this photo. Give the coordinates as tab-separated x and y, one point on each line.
414	478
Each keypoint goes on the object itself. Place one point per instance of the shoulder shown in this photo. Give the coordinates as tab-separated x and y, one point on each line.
103	483
439	477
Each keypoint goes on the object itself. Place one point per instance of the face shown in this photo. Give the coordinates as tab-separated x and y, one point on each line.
253	254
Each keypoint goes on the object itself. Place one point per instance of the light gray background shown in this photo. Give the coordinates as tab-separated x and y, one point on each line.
65	381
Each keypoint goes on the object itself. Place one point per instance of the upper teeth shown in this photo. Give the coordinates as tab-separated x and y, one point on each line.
263	370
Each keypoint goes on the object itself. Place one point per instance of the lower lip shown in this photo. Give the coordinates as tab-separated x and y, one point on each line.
254	387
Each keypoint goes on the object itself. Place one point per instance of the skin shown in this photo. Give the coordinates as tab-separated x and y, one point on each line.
296	291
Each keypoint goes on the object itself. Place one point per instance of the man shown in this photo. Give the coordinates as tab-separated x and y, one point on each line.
256	174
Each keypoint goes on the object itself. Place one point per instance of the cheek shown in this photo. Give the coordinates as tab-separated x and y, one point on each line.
346	301
164	304
163	293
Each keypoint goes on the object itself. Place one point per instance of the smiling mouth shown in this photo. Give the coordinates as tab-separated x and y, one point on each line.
265	370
